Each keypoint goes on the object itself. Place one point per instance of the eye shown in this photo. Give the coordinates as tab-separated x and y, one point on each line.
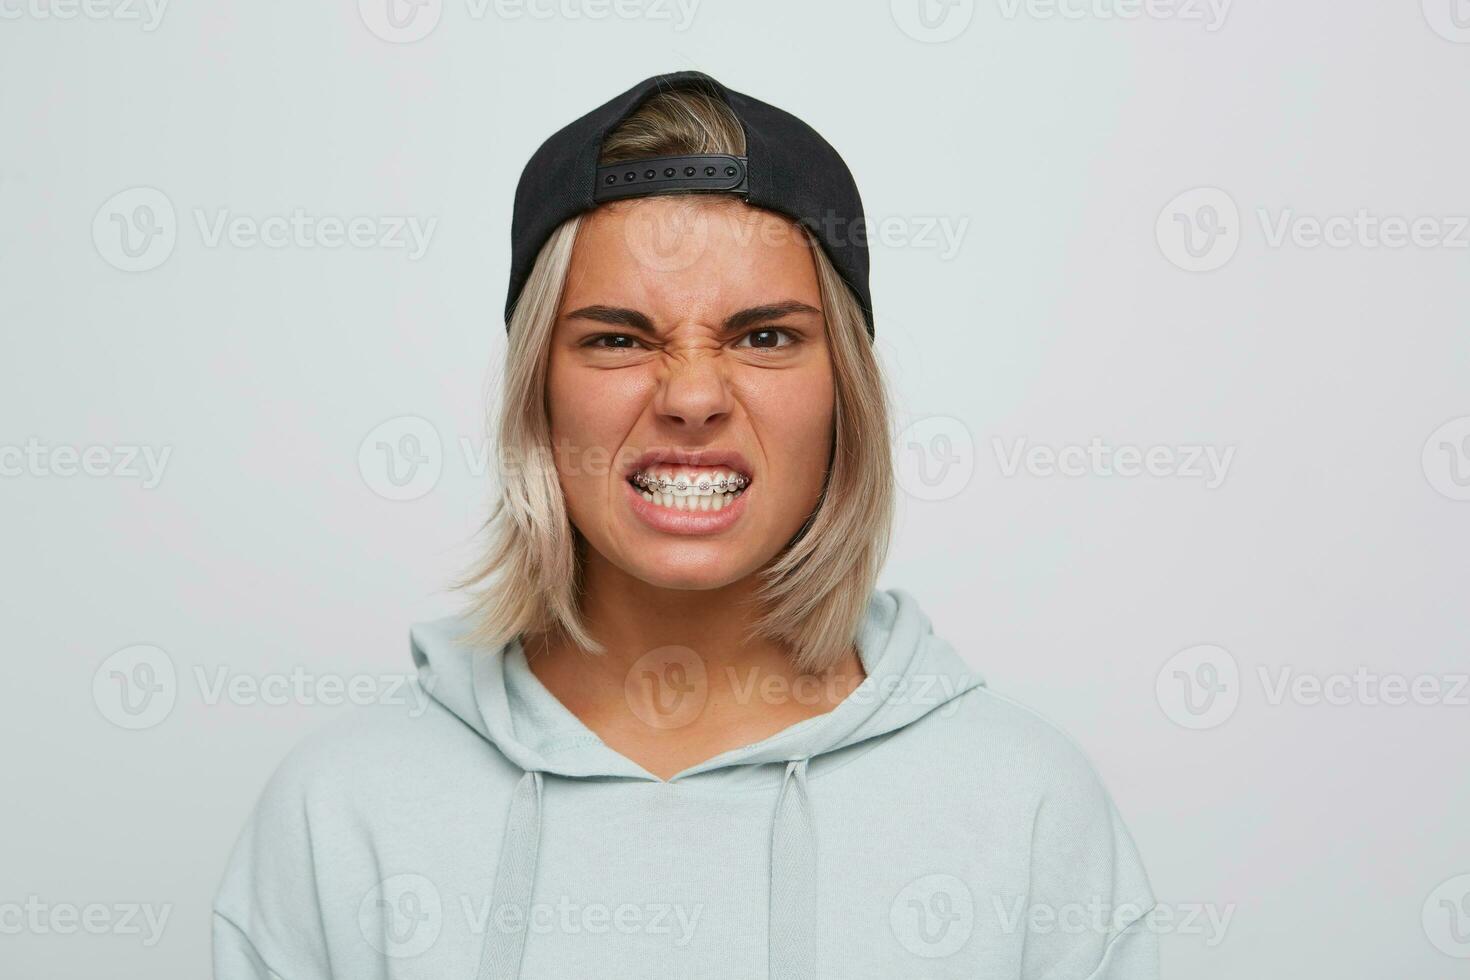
767	338
622	341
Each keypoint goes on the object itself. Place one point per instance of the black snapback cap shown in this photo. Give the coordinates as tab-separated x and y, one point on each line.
787	168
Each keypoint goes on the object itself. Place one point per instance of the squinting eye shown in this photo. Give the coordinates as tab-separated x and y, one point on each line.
630	343
767	336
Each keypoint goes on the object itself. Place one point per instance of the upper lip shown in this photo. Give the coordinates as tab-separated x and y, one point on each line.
692	458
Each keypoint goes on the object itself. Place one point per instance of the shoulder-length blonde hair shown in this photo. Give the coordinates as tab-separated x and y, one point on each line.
815	592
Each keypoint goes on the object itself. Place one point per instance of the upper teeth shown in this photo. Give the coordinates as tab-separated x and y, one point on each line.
691	482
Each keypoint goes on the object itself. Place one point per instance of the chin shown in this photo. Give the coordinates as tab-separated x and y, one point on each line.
677	568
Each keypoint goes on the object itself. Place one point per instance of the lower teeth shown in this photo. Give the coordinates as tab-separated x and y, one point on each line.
699	503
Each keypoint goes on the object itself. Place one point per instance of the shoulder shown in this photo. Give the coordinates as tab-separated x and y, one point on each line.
379	753
1018	773
1002	740
379	786
1033	793
363	775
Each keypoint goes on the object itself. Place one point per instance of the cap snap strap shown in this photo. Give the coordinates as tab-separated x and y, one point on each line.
657	175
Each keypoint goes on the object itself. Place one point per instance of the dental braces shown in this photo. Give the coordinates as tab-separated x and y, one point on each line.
660	485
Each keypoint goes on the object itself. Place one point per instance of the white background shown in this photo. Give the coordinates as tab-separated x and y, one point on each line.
1053	140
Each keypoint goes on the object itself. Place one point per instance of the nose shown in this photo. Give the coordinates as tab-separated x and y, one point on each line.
694	392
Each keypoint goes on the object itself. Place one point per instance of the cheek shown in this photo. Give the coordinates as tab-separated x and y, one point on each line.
795	428
591	416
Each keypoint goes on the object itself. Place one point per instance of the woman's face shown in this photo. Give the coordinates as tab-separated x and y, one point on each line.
690	348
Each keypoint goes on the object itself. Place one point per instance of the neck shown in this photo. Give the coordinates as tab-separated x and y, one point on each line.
659	641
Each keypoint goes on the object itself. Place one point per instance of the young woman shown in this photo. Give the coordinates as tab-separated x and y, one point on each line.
681	733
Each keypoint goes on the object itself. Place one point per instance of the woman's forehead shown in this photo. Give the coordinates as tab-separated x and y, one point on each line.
680	247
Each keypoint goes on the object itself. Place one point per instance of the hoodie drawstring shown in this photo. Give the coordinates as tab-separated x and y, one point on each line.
792	940
515	876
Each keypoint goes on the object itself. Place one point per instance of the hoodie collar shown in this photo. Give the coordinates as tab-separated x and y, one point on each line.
911	672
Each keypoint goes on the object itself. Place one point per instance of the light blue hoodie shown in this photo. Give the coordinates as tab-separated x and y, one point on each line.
925	827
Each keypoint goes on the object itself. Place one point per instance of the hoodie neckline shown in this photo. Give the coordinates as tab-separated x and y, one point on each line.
538	701
910	672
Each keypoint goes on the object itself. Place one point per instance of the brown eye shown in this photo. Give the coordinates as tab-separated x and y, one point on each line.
767	338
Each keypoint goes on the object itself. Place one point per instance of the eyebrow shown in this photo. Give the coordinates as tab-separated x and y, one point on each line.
636	321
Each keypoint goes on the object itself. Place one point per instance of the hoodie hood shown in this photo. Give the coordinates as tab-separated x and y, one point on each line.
910	673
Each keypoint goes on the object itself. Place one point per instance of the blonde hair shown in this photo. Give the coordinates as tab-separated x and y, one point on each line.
815	593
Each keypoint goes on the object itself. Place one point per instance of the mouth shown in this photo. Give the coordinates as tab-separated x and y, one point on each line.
690	491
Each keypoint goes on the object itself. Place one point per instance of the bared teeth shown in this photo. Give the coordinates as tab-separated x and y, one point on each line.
690	483
694	490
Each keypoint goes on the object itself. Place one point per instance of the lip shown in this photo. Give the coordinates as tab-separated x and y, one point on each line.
728	458
672	521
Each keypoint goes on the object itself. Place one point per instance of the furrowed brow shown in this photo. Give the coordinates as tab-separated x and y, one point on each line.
619	316
616	316
770	311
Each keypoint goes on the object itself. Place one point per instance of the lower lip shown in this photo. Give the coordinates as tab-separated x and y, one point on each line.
672	521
